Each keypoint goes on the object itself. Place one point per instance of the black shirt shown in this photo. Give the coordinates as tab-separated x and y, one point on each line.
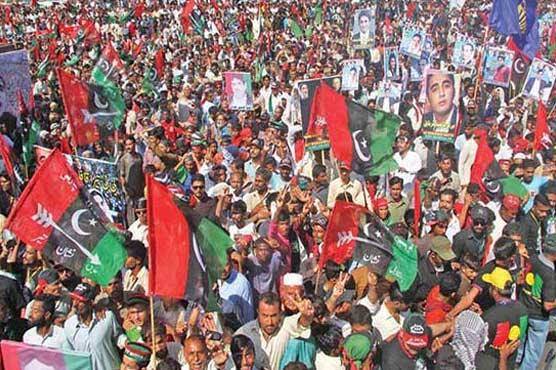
530	229
539	287
466	241
446	359
393	357
11	292
507	321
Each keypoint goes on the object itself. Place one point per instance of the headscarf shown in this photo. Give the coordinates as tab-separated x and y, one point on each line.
470	337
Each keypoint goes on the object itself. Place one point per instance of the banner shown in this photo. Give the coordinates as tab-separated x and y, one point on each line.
539	81
303	94
464	54
441	91
418	65
388	96
239	91
413	42
20	356
14	80
364	28
498	66
351	70
102	181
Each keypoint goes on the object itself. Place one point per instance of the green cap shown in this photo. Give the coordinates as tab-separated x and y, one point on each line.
441	245
357	348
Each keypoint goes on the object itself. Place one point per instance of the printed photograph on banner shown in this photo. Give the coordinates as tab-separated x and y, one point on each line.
464	52
364	28
303	93
498	66
388	96
350	74
239	90
417	66
413	42
391	64
14	81
540	80
441	92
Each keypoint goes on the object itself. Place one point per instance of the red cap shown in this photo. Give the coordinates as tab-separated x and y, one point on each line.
511	202
380	202
521	145
345	165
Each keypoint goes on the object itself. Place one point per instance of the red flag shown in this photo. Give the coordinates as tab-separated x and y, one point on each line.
6	151
92	35
70	32
329	117
483	158
75	95
343	221
542	132
139	10
184	16
174	266
21	102
159	62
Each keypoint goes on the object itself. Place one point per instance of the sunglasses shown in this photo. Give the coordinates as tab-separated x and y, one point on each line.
141	212
479	222
198	187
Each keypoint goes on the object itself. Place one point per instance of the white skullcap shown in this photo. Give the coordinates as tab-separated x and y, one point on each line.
292	279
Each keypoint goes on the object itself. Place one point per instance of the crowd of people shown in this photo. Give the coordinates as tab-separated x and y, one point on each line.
485	292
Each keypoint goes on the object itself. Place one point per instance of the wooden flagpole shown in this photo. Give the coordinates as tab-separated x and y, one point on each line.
153	336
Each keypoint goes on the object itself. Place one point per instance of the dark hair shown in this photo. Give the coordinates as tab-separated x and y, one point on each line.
512	228
295	365
450	192
159	331
239	343
130	138
264	173
449	283
363	14
396	294
328	337
395	180
332	269
361	315
269	298
345	196
470	260
168	364
239	206
450	75
283	215
48	303
197	177
504	248
317	170
529	163
541	199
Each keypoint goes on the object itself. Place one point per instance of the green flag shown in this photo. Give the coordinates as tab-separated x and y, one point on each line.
382	138
112	94
318	14
42	69
404	264
296	29
31	141
213	242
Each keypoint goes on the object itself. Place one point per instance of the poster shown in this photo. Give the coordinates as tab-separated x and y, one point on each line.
498	66
417	66
303	93
14	80
441	92
464	53
388	96
540	80
364	28
413	42
391	64
27	357
239	91
351	70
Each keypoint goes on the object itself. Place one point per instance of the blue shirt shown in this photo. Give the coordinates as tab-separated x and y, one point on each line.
99	339
533	189
237	296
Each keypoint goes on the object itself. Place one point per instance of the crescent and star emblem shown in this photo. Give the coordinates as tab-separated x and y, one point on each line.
361	147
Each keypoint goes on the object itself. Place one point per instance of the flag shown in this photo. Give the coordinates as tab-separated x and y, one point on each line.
343	225
109	64
139	10
176	266
89	32
185	15
542	131
20	356
373	244
296	29
359	136
6	153
32	136
520	67
159	62
484	157
518	19
404	264
53	216
93	110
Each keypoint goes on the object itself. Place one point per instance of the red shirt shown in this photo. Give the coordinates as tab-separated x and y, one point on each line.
435	308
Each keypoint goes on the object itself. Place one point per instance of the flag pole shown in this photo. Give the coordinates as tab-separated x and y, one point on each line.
153	339
480	69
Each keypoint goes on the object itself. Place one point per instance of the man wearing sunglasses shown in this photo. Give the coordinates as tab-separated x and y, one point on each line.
139	229
473	240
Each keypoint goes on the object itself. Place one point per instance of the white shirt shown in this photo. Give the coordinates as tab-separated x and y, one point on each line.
385	323
353	187
137	284
56	338
373	307
139	232
325	362
411	164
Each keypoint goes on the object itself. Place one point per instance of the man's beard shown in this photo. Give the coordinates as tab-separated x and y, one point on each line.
40	323
162	354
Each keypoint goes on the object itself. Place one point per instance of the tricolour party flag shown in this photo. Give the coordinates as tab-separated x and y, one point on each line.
32	136
359	136
20	356
54	216
109	65
355	234
176	265
185	15
518	19
94	111
542	131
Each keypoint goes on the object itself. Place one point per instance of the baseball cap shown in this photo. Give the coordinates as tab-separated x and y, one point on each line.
479	212
286	163
342	164
498	278
415	331
380	202
83	292
437	216
137	298
258	143
441	245
48	276
319	219
511	202
357	347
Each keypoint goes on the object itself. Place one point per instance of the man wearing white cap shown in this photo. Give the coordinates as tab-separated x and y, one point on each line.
290	290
